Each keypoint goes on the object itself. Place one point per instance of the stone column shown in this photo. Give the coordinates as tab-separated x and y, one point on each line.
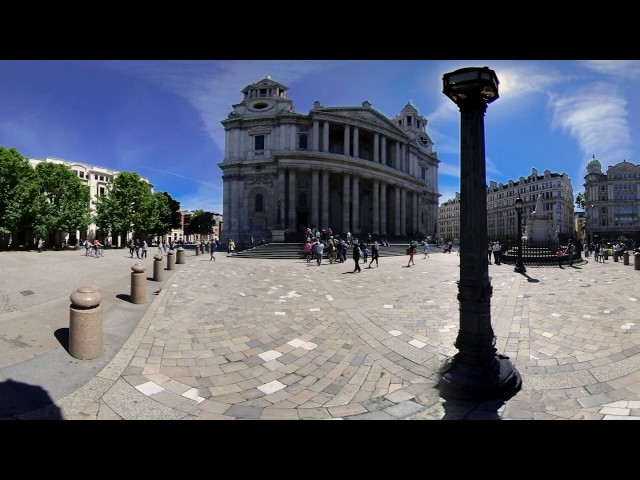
383	208
325	198
346	203
376	147
356	142
325	136
356	204
383	150
347	140
397	213
376	207
316	136
315	196
291	214
416	212
403	211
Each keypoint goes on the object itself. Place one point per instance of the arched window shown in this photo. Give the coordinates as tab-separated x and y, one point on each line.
259	203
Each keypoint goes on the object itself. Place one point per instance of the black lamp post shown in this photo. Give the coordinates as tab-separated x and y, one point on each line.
591	219
477	372
519	265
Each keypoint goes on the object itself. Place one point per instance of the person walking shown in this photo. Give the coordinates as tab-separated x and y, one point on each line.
489	252
411	250
212	249
40	245
307	250
497	253
144	249
570	251
319	251
356	257
425	249
374	253
559	256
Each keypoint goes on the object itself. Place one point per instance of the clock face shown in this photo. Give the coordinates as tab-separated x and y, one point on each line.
423	140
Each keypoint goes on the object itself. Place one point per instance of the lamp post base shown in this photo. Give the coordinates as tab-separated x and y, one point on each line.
494	378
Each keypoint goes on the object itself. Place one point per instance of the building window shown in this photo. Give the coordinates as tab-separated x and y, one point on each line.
303	140
259	142
259	203
102	191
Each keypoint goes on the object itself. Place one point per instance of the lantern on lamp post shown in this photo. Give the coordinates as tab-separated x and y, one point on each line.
477	372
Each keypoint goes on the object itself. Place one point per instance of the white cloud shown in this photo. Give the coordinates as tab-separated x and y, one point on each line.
617	68
596	116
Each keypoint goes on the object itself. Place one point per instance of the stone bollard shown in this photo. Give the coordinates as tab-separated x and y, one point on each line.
197	250
615	256
201	248
158	272
180	255
636	261
625	258
85	324
606	254
206	248
138	284
171	260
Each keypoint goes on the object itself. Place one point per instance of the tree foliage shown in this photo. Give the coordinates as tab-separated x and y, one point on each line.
15	172
127	206
61	202
166	214
200	222
581	200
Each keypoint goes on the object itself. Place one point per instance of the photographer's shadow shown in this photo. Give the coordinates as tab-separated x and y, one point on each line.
24	401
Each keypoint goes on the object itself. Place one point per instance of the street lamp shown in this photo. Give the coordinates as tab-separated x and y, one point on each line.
519	265
477	372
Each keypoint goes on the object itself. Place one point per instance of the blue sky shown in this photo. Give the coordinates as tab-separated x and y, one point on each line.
161	118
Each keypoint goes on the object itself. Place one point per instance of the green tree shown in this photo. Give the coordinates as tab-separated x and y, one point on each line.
128	206
15	174
200	222
60	200
166	214
581	200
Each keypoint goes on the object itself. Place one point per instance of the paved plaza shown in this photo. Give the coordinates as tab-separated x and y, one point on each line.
285	339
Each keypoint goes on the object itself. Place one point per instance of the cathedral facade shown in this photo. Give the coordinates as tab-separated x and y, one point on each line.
350	169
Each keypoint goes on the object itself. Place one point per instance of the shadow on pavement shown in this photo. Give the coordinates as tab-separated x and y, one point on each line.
18	397
62	335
